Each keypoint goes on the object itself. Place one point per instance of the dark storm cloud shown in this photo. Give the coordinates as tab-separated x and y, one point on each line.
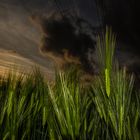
68	34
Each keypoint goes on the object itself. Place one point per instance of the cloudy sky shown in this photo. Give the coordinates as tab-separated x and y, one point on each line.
19	36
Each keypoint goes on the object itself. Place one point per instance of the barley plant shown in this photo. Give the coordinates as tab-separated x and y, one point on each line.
112	93
108	108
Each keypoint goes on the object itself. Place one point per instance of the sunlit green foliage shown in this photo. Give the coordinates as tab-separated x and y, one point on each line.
108	109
